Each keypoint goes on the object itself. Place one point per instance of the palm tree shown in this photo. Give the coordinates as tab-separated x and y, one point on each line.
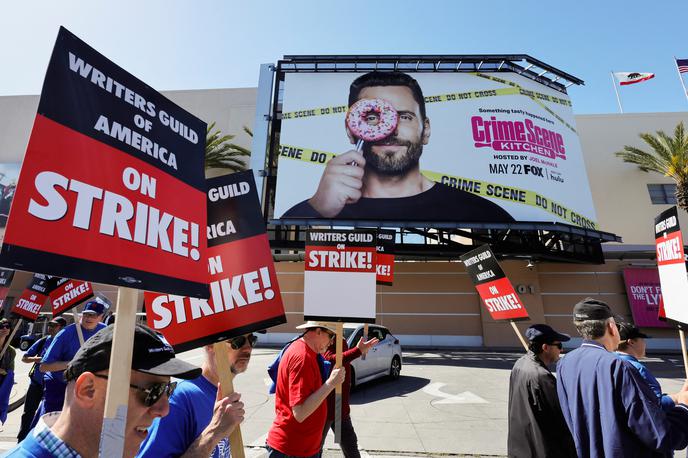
668	156
221	154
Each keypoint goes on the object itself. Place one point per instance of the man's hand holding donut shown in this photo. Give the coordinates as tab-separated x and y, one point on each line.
340	184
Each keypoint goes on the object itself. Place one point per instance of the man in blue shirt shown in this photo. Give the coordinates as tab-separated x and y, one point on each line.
631	349
200	420
75	432
35	391
62	349
607	405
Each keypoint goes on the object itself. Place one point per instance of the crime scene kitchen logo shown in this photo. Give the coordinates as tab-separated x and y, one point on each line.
522	136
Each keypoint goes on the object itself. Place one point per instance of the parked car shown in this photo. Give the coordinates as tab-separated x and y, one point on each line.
384	359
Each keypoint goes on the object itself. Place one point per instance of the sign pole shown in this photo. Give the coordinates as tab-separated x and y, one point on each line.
365	338
518	333
117	397
77	323
682	337
10	337
224	373
338	388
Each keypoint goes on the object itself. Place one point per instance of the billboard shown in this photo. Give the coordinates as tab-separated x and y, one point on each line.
428	147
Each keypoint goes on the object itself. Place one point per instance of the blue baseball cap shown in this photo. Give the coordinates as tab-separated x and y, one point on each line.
94	306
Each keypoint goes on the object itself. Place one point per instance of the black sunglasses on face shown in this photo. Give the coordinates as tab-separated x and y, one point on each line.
559	345
240	341
5	326
153	393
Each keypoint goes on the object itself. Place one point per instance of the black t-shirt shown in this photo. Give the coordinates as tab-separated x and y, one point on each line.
439	203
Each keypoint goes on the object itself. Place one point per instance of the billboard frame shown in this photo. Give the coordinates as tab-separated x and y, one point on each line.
557	242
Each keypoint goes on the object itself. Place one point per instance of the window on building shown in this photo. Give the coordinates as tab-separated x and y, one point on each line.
662	193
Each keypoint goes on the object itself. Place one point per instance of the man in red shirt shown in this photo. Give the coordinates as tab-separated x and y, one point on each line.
300	412
348	441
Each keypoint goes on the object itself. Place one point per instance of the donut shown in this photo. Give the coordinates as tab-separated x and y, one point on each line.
372	119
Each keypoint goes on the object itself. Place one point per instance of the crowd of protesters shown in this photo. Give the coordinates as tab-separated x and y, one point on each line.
603	402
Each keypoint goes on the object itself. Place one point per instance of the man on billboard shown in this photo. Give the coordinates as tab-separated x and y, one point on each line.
383	180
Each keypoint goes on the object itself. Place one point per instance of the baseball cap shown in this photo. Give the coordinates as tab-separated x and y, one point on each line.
630	331
591	309
152	354
317	324
544	333
59	320
94	306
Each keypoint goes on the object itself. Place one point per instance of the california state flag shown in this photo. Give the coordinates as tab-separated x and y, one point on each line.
626	78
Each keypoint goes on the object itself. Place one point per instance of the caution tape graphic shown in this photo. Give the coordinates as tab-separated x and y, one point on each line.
478	187
515	89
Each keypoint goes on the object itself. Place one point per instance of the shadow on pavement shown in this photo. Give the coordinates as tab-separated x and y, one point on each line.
482	360
383	388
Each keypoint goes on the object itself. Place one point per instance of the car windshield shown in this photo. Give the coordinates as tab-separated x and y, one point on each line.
348	332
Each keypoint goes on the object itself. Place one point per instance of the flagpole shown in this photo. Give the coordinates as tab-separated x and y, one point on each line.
681	79
616	91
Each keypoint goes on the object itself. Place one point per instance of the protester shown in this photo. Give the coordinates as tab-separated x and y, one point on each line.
35	392
348	440
631	349
75	431
61	350
608	407
6	368
302	386
201	419
536	424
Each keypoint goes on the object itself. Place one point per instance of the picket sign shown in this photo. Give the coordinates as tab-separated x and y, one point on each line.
77	323
224	372
338	388
119	376
518	333
11	336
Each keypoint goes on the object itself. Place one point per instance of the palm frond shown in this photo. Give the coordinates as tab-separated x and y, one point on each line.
221	153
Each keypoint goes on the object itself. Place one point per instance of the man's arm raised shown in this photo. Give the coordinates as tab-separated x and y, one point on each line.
340	184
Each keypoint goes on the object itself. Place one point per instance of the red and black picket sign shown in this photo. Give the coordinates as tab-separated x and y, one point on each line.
494	288
68	294
6	276
112	187
30	303
244	293
385	257
671	266
340	273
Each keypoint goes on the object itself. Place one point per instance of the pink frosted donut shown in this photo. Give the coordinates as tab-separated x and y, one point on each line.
372	119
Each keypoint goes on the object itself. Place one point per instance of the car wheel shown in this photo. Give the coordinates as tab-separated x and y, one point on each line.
395	368
24	345
352	383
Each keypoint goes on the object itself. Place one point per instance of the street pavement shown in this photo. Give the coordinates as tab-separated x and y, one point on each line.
446	403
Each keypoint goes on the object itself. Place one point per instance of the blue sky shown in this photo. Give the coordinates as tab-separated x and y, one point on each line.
215	44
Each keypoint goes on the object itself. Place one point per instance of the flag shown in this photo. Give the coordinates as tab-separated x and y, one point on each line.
682	65
625	78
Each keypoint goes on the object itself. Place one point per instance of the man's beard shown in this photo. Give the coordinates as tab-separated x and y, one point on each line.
392	164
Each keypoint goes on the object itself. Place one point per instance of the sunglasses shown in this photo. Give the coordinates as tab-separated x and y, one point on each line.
330	334
5	326
240	341
153	393
559	345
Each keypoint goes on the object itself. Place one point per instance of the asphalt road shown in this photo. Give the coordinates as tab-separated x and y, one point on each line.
446	403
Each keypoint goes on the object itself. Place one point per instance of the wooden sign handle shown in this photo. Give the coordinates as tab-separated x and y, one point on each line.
77	323
365	338
119	375
518	333
10	337
338	388
682	337
224	373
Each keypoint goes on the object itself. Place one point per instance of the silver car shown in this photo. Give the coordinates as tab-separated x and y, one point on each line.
384	359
